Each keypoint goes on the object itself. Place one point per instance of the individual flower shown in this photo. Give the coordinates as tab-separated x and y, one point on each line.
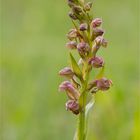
77	9
71	91
96	62
71	3
100	41
99	84
83	48
103	84
71	45
72	16
66	72
83	27
97	32
72	34
73	106
96	22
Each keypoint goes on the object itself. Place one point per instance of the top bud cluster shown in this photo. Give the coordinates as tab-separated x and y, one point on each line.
87	38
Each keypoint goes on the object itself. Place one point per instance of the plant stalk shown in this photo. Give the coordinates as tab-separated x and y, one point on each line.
82	101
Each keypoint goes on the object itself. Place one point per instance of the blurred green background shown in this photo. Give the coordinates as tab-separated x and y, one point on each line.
33	37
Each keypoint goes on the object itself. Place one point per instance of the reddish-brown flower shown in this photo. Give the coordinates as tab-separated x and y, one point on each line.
71	91
73	106
96	62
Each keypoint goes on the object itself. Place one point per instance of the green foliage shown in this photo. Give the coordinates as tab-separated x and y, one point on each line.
75	67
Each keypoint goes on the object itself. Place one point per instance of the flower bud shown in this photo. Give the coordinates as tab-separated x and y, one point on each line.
73	1
103	84
101	41
77	9
71	91
72	16
96	62
88	6
71	4
66	72
71	45
72	34
98	32
96	22
83	48
83	27
73	106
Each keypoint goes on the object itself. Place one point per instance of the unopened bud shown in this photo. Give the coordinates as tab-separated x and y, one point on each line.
71	91
70	3
77	9
66	72
96	62
73	106
74	1
71	45
96	22
72	16
72	34
71	0
83	27
88	6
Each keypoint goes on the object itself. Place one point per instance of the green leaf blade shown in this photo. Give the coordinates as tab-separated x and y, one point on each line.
75	67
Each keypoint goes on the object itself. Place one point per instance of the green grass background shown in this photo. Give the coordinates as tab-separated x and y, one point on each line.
33	51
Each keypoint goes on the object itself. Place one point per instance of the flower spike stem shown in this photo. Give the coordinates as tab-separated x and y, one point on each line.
86	38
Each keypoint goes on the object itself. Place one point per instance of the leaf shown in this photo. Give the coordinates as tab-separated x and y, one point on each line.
101	73
75	67
89	106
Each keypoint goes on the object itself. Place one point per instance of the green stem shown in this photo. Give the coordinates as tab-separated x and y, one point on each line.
81	123
81	135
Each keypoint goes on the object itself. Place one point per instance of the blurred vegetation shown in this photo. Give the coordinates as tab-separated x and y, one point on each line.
33	51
